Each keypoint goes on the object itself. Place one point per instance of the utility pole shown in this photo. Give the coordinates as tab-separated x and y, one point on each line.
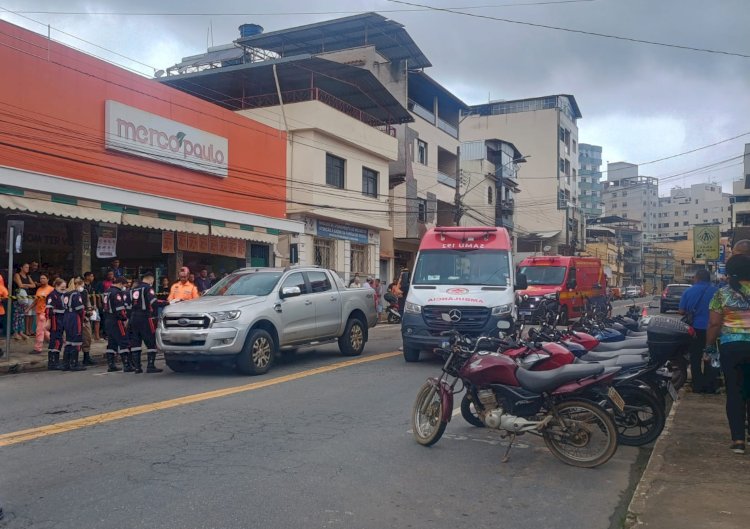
457	208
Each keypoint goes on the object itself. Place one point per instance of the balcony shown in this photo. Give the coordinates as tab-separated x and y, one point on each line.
507	206
443	178
428	116
447	128
316	94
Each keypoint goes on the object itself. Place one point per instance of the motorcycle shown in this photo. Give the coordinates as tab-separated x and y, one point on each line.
517	401
392	310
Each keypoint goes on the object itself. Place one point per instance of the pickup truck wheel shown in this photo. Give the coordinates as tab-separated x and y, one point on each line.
258	354
411	354
352	342
179	366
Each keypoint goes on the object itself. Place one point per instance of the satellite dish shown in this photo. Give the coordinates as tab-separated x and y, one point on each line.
159	73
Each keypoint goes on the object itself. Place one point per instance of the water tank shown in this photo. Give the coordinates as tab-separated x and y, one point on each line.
248	30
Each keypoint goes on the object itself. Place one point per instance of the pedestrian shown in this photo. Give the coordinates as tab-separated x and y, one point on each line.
741	247
3	300
402	289
108	281
729	323
212	277
143	324
88	312
22	284
355	282
378	288
94	299
40	307
694	305
182	290
73	326
202	282
34	274
55	316
115	321
115	268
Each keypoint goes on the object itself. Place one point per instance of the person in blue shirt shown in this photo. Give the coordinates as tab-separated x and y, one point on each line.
695	301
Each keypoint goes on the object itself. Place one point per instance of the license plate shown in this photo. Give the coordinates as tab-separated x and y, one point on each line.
672	392
180	338
616	399
524	312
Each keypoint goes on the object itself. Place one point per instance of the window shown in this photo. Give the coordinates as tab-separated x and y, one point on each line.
676	224
369	182
422	152
319	282
624	204
676	213
323	252
335	168
562	166
295	280
422	211
696	216
685	212
624	193
705	210
359	259
747	182
294	253
489	195
614	194
686	223
575	147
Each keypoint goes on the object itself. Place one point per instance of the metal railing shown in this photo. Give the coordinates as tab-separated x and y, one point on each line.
421	111
316	94
446	179
447	128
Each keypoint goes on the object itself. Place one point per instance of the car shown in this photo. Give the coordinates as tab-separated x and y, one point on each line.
632	292
254	314
670	298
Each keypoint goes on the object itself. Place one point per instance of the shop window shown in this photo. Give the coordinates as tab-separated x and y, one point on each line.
422	211
295	280
319	282
323	253
369	182
359	259
335	169
422	152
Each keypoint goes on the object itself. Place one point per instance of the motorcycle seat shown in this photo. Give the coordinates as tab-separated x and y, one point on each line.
543	381
598	356
626	362
636	334
636	343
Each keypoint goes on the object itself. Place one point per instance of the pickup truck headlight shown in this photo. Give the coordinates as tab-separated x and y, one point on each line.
412	308
228	315
502	310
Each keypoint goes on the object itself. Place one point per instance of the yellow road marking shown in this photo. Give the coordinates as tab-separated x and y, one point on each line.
22	436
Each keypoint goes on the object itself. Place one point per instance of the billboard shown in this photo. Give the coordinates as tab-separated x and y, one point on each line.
706	239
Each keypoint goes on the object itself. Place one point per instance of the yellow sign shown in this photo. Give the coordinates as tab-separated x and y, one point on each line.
706	242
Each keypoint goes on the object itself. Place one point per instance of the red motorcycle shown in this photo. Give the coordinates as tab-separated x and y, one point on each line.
518	401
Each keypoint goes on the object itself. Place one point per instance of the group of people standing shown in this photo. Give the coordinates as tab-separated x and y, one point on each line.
721	318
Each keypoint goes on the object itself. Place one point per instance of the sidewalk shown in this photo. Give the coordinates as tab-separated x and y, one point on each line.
21	359
692	478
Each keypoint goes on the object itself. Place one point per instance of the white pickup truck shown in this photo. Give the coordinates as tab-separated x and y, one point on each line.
253	314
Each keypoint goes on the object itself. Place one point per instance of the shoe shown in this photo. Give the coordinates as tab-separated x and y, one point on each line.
135	361
151	367
738	447
35	352
111	365
87	360
126	367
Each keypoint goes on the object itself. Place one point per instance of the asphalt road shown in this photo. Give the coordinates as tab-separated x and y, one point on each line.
295	448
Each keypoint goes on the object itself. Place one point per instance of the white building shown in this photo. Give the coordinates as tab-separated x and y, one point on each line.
698	204
545	129
626	194
741	198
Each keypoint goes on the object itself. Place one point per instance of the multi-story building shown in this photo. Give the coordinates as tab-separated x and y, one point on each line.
628	195
489	171
741	199
546	130
603	233
373	140
589	180
698	204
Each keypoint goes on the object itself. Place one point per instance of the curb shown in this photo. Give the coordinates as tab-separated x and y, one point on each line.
652	471
41	365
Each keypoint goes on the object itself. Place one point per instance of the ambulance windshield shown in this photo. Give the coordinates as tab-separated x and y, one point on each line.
544	275
462	267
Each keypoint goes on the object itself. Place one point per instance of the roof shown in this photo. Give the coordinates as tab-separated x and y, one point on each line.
240	86
571	98
421	79
366	29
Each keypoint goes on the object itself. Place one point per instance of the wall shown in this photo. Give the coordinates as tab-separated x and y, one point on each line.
53	100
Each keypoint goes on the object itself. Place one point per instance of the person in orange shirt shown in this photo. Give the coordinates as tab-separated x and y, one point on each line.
3	301
40	307
183	289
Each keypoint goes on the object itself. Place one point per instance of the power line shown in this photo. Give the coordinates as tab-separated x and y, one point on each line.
569	30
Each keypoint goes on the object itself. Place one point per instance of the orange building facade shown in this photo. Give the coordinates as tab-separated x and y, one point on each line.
100	162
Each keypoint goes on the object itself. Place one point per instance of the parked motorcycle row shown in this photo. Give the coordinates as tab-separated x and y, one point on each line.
584	389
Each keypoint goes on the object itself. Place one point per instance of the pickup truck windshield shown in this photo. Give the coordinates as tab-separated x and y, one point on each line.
245	284
544	275
462	267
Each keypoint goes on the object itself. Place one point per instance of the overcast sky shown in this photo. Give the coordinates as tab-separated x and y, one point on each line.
639	102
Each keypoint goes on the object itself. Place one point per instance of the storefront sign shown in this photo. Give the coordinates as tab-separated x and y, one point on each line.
706	242
139	133
106	246
340	231
209	244
167	242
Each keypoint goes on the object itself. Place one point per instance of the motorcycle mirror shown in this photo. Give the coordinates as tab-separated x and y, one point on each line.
503	324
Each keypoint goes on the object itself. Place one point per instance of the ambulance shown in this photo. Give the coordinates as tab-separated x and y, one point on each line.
465	273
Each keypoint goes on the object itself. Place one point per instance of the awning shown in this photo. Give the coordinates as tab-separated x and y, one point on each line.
158	223
71	211
246	235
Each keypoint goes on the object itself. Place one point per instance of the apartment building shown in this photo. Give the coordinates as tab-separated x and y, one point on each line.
589	180
699	204
628	195
489	171
545	129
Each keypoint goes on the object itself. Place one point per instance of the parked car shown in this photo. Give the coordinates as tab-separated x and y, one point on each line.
253	314
632	292
670	298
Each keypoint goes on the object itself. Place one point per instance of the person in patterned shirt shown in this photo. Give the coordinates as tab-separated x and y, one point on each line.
729	323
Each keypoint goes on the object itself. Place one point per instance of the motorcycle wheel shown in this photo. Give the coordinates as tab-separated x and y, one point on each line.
468	412
428	427
643	419
584	424
393	319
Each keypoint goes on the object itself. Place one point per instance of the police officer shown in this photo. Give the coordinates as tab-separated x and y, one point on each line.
115	322
143	323
73	325
55	316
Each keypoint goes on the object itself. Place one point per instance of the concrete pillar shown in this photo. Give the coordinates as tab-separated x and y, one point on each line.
174	263
81	247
